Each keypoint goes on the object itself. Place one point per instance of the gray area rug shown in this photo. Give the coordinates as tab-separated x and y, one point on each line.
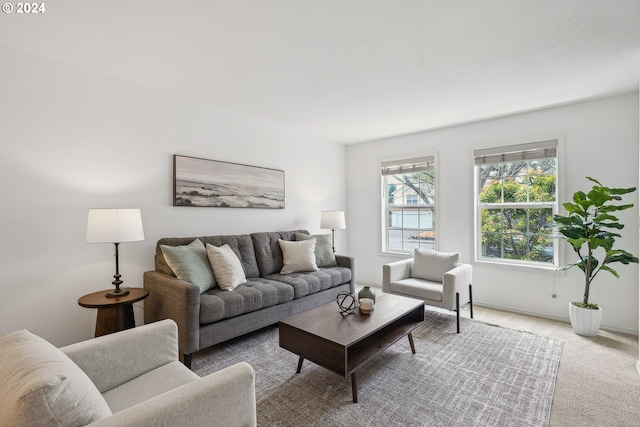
485	376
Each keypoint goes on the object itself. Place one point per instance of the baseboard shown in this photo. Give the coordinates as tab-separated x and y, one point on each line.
360	283
550	317
377	286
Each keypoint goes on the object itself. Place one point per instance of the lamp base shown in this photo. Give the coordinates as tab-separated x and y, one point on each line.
117	293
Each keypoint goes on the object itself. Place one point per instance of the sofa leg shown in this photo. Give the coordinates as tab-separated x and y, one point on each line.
458	312
470	300
187	359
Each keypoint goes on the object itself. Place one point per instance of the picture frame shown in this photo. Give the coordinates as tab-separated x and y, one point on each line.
212	183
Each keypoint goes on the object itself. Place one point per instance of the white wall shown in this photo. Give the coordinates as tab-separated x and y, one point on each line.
73	140
600	140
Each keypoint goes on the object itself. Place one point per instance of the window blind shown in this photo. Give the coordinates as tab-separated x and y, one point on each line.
419	164
515	153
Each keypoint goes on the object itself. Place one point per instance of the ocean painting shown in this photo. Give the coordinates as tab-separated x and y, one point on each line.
212	183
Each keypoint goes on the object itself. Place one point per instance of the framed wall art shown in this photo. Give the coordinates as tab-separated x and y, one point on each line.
212	183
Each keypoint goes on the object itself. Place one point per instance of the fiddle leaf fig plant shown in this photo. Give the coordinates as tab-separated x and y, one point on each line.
590	225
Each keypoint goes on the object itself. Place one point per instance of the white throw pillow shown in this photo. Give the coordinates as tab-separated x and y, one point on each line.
324	251
190	263
431	265
226	267
298	256
41	386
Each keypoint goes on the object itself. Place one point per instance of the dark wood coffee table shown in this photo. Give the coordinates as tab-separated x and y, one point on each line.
343	343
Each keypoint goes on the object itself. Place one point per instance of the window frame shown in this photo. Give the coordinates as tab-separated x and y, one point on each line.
497	150
384	225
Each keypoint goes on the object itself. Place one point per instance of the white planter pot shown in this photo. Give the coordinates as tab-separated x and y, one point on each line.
585	321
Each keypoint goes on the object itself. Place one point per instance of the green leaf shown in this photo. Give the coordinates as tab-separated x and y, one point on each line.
610	270
604	217
622	190
576	242
594	180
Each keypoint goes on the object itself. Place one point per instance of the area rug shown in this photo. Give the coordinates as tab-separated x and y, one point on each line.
485	376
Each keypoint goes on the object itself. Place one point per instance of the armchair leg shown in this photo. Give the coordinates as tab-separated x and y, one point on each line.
470	300
458	312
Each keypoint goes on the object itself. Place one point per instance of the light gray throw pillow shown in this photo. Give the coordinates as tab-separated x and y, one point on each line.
190	263
431	265
41	386
323	251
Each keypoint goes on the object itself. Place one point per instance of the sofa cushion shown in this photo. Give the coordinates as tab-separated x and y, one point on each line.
242	246
190	263
255	294
226	266
324	251
268	252
431	265
298	256
41	386
306	283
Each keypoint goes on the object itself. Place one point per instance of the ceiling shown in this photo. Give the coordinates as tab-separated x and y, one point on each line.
349	70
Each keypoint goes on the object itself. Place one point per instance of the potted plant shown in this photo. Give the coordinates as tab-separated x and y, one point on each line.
589	229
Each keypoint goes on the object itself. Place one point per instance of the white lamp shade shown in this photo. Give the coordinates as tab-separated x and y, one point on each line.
114	226
333	220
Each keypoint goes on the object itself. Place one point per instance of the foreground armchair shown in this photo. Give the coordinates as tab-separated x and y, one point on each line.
438	278
129	378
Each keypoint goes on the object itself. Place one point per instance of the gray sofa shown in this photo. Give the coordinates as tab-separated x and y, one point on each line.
216	315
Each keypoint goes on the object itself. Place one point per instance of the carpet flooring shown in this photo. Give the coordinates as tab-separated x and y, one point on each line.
485	376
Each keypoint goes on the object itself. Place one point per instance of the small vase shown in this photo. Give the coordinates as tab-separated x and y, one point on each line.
367	292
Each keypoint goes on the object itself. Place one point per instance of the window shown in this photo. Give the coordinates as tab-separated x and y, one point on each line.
409	208
516	196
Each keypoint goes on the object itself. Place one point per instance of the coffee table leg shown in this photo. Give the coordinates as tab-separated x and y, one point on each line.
413	347
354	387
299	364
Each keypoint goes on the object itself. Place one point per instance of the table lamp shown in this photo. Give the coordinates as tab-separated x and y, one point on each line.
115	226
333	220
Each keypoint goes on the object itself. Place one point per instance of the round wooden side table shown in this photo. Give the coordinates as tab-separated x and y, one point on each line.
114	314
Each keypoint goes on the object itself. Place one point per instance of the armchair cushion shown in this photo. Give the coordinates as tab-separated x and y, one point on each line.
149	385
418	288
431	265
41	386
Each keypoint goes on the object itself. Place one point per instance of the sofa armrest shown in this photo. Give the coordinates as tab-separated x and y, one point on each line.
350	263
395	271
456	280
225	398
114	359
171	298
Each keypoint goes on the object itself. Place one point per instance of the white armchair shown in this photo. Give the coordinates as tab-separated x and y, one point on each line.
129	378
438	278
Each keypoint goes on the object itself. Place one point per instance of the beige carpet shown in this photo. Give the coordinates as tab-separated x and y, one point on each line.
485	376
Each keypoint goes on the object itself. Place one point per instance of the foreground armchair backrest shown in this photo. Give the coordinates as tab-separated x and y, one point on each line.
438	278
129	378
